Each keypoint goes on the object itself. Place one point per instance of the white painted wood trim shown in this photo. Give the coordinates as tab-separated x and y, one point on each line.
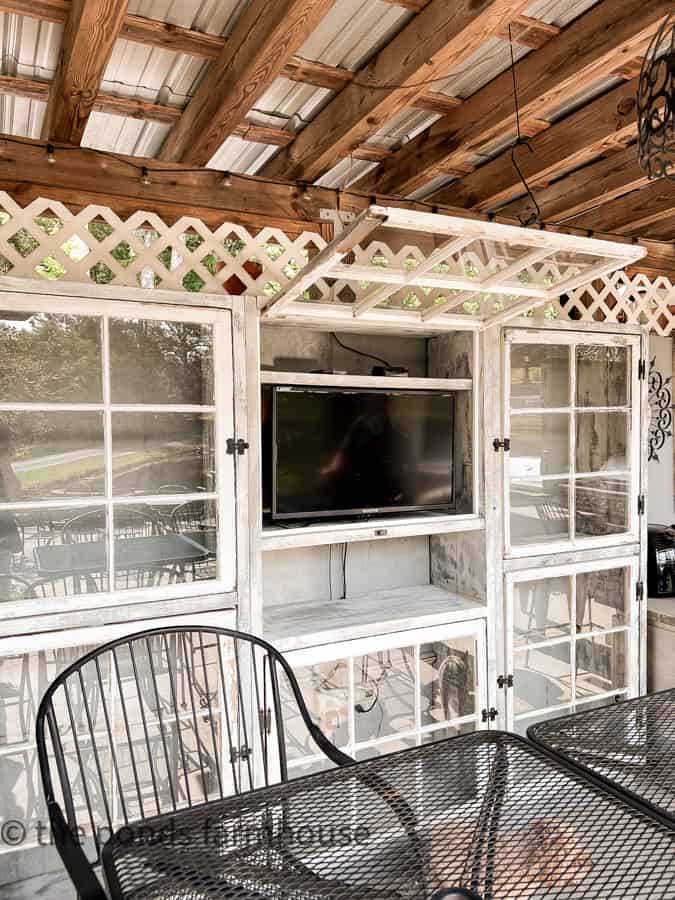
301	379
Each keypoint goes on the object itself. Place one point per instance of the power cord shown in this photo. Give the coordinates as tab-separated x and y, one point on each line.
359	352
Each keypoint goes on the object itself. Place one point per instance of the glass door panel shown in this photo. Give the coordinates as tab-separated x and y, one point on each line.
570	473
571	638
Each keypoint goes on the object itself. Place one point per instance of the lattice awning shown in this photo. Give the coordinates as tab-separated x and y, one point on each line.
440	271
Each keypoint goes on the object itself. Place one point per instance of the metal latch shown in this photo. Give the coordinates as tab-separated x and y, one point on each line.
239	446
504	445
505	681
490	714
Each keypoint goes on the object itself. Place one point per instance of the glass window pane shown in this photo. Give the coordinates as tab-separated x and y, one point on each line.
542	677
540	376
520	726
48	455
541	609
448	679
325	688
155	453
384	748
603	599
161	362
602	441
539	445
47	358
448	731
602	663
602	506
602	375
384	693
50	553
539	511
165	544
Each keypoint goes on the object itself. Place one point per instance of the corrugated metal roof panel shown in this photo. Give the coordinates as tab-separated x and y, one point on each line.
29	47
353	31
346	172
559	12
236	155
152	74
118	134
403	127
291	102
21	117
491	59
212	16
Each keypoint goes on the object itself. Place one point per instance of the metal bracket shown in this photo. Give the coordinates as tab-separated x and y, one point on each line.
242	752
640	591
642	369
489	714
505	681
641	505
339	219
265	716
504	445
239	446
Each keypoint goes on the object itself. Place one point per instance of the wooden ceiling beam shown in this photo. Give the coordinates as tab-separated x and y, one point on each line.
592	46
265	37
441	36
607	122
90	32
599	182
633	213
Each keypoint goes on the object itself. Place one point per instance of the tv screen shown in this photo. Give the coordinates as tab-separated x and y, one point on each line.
346	452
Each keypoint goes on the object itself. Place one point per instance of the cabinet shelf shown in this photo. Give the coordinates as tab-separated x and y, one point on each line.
278	537
293	626
307	379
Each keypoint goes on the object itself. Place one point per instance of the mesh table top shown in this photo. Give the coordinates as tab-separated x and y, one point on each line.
486	811
630	744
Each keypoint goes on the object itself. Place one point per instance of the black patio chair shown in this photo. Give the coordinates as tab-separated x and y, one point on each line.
161	720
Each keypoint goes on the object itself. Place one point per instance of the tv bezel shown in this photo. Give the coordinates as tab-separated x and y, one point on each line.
362	512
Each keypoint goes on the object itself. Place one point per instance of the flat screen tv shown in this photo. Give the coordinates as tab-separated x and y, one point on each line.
344	452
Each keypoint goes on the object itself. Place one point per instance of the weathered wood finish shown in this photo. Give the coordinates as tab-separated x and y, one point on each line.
441	36
91	29
634	212
267	34
592	46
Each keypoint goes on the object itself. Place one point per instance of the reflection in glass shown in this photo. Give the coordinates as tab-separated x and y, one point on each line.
539	445
602	506
156	453
602	599
602	375
447	680
447	731
155	361
541	609
385	747
384	693
602	441
540	376
48	358
521	725
542	677
601	663
165	544
539	511
325	688
51	455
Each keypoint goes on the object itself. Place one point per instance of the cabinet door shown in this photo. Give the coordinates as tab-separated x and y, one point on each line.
382	694
571	638
571	412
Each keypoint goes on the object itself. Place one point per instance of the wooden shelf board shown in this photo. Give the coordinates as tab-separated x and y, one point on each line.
307	379
293	626
276	537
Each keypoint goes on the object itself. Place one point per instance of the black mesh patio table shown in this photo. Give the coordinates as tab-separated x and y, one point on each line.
488	812
630	744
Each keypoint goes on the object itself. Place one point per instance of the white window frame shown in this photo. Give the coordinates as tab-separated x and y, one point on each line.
80	610
572	339
632	629
348	650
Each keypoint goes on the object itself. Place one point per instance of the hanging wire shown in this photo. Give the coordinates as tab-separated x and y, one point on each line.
535	216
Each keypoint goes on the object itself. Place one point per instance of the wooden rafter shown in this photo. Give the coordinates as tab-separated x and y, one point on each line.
442	35
91	29
634	212
267	34
599	182
591	47
605	123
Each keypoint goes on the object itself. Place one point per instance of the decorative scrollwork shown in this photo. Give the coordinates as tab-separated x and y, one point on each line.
656	105
660	404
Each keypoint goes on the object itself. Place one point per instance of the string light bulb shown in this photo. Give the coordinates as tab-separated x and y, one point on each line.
51	156
227	180
145	176
306	193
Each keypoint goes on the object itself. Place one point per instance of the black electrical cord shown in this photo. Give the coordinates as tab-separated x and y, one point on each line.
359	352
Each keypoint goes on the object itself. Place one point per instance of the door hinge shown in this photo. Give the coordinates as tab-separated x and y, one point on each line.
642	369
239	446
242	752
505	681
504	445
488	714
641	505
265	716
640	591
